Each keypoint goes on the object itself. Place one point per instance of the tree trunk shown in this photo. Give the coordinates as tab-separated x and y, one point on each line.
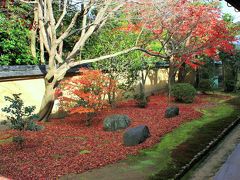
223	75
34	32
171	78
197	78
182	73
42	59
142	83
89	118
112	95
47	101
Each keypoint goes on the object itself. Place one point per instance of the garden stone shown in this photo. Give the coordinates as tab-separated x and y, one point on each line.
172	112
116	122
136	135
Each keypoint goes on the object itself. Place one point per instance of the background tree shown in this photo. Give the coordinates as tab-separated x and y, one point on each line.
183	29
230	62
14	35
127	69
230	69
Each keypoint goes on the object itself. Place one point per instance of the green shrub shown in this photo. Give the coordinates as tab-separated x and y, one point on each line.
205	85
18	140
14	41
141	100
4	122
183	92
20	116
229	85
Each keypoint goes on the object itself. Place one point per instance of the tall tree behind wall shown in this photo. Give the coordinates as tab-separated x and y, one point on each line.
15	25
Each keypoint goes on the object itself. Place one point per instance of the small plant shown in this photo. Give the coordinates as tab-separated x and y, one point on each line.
205	85
141	100
85	94
229	86
20	116
183	92
4	122
18	140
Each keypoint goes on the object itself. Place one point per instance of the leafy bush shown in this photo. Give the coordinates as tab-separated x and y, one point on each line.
229	85
20	116
4	122
205	85
14	41
183	92
19	140
85	94
141	100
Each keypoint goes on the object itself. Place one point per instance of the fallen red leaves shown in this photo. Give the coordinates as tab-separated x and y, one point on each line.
68	146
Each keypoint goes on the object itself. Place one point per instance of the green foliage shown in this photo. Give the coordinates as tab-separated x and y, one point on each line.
125	68
141	100
230	85
20	116
19	140
231	66
4	122
205	85
111	40
14	40
183	92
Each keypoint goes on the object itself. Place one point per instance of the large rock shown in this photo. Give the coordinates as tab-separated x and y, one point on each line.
115	122
136	135
172	112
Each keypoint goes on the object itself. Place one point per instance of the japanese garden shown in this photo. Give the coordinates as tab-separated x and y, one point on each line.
126	89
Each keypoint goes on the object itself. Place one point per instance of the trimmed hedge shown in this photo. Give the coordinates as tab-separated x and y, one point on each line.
183	92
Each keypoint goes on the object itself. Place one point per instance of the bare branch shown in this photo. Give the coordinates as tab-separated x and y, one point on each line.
72	64
52	21
28	2
42	28
65	34
63	14
80	43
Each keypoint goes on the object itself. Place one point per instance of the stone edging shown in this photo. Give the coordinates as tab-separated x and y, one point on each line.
206	150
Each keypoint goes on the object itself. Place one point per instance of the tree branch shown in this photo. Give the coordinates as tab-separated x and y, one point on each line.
72	64
65	34
63	14
28	2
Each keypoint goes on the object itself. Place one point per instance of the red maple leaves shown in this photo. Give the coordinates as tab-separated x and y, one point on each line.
183	29
68	146
85	93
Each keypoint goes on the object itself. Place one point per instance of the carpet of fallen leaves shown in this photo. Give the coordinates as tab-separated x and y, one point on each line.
68	146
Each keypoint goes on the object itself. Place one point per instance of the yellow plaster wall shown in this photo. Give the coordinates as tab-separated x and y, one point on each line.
32	90
31	93
156	80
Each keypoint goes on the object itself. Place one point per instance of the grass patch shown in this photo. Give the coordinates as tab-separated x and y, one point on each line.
84	151
5	139
161	159
57	156
212	124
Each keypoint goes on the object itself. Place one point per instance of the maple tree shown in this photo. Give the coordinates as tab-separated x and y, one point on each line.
181	31
86	93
